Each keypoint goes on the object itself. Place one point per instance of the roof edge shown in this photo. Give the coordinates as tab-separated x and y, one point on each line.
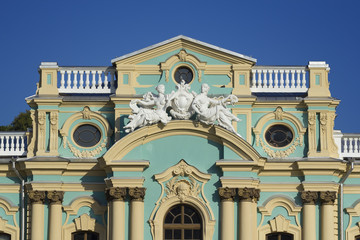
188	39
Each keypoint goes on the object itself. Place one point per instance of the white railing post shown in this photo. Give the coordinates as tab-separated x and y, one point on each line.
279	79
75	83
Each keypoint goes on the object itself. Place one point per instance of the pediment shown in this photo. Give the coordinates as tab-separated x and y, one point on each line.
170	46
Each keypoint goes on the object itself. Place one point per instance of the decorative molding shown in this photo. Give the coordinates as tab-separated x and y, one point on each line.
137	193
55	197
309	197
328	198
227	194
36	196
115	194
86	114
13	231
182	183
249	194
84	223
280	153
279	224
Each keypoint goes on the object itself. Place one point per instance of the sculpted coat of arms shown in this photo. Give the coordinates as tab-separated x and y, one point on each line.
183	104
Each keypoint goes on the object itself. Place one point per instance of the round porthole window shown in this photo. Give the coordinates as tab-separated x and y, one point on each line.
183	73
87	135
279	136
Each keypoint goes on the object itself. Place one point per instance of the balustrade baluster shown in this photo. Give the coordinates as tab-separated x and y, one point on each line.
75	83
276	81
68	82
100	86
345	145
351	148
281	78
292	80
271	78
81	82
93	81
287	78
253	80
62	81
303	84
87	81
12	143
265	82
112	81
259	80
356	147
21	144
106	82
298	78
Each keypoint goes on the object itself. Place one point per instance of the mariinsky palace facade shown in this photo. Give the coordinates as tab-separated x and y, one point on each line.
181	140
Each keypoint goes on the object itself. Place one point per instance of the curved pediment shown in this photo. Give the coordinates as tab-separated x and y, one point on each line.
181	127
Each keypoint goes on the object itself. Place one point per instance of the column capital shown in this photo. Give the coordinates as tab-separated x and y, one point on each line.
137	194
227	194
249	194
36	196
55	197
115	193
309	197
327	198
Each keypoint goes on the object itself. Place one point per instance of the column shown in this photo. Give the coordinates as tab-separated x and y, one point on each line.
327	215
55	219
309	216
37	199
227	212
137	213
116	197
248	197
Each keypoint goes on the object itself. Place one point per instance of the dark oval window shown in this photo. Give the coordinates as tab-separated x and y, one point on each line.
183	73
87	135
279	136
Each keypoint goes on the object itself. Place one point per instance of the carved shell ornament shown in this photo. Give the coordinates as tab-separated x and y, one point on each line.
183	105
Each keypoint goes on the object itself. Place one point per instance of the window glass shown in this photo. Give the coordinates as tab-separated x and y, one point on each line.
4	236
279	236
85	236
279	135
183	73
87	135
182	222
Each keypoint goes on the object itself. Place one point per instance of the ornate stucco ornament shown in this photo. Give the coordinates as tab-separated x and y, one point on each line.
152	108
182	183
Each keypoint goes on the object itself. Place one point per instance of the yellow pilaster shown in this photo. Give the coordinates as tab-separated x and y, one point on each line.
241	79
55	218
327	215
137	213
37	199
126	80
48	79
227	213
115	197
247	198
309	215
319	84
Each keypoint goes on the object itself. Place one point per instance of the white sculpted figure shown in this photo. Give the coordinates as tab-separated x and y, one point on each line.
210	110
151	109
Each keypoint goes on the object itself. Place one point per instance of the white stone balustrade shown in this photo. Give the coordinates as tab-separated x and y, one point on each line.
279	79
87	80
13	144
348	144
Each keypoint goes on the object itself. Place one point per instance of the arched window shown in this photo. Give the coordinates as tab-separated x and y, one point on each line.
85	235
279	236
4	236
183	222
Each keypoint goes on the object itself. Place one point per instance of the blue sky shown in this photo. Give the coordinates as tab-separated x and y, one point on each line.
275	32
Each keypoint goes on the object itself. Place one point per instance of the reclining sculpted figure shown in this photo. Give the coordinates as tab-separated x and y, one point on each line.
144	113
211	110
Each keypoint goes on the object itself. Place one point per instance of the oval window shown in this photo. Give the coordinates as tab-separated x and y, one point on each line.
87	135
183	73
279	136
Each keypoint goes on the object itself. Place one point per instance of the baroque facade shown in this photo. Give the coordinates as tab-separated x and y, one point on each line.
181	140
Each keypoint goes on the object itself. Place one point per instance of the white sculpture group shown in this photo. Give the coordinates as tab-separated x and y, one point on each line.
182	104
